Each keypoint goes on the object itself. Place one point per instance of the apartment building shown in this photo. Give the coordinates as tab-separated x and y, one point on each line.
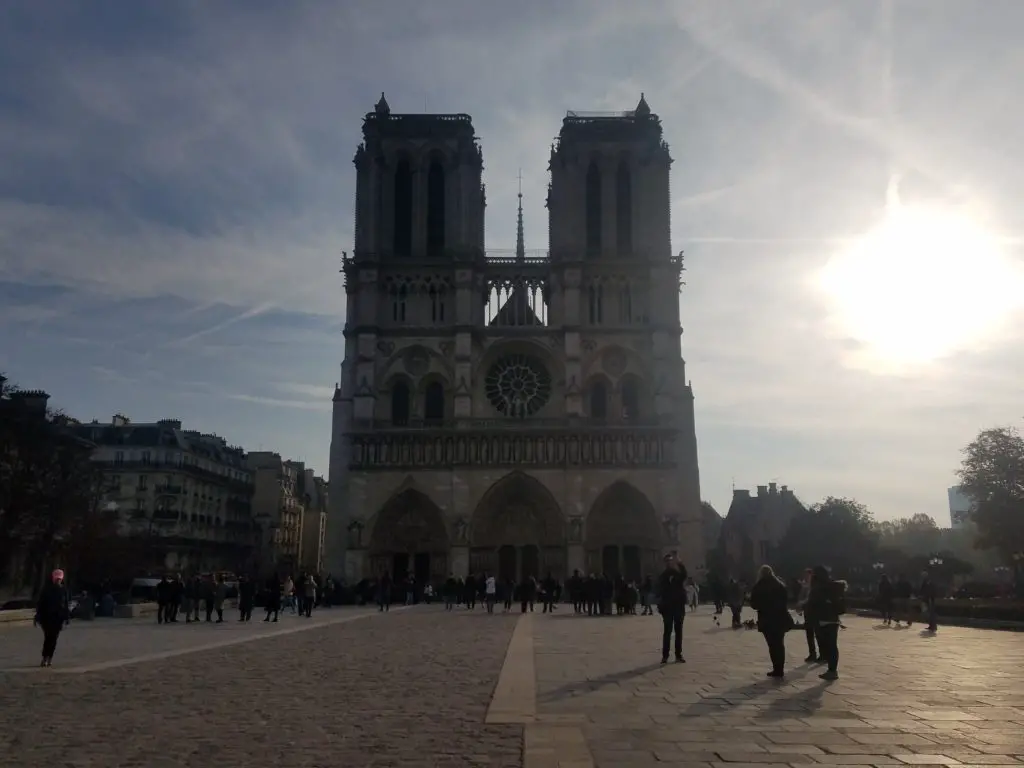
277	507
314	522
184	494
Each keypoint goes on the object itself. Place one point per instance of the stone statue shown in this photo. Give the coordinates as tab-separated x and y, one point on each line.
576	530
671	529
355	535
461	531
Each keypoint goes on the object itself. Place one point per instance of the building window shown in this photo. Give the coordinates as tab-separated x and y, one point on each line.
433	402
593	209
435	207
596	296
119	457
400	404
624	209
142	482
403	208
598	400
145	457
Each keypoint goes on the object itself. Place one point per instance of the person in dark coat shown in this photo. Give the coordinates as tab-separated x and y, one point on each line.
827	602
769	597
885	599
246	598
52	614
273	603
671	605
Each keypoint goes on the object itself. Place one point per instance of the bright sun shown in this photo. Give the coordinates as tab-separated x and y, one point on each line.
923	284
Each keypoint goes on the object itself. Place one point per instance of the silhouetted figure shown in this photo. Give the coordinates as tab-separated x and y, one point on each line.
671	605
52	614
827	602
769	597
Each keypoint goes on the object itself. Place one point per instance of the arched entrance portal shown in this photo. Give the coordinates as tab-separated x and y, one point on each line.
518	531
623	535
409	537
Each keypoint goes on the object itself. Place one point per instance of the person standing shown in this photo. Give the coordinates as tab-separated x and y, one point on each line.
769	597
309	597
273	599
163	600
671	605
52	614
810	623
827	602
246	598
927	594
885	599
220	593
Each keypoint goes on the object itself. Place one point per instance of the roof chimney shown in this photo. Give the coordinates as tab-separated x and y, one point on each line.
772	489
762	490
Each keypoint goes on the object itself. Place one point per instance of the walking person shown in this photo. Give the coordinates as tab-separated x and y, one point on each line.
671	605
490	591
310	597
52	614
769	597
692	594
885	599
902	592
220	593
384	592
273	601
827	602
246	598
927	594
810	623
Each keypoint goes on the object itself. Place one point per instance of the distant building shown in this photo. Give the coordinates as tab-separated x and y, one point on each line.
314	522
277	506
959	508
754	526
186	493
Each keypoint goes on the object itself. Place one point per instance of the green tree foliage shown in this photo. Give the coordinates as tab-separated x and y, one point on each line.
992	476
836	532
916	535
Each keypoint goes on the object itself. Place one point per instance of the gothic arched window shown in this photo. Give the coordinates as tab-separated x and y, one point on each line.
598	400
435	207
437	305
593	206
625	305
400	404
403	208
624	209
433	401
398	297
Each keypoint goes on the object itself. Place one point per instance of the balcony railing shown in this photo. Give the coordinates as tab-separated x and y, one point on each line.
487	424
169	489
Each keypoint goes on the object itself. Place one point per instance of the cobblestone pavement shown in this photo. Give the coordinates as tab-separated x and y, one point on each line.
86	643
409	688
904	698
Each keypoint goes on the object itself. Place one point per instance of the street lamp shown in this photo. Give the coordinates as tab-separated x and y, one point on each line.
879	567
935	561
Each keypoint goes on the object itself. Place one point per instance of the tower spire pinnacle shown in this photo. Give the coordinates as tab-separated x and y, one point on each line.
520	240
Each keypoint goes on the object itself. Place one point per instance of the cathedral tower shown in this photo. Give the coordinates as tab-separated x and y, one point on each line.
513	412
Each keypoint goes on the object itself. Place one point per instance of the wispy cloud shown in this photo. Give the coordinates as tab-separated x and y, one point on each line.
176	188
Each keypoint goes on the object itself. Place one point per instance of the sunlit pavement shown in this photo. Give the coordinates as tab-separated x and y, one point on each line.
904	697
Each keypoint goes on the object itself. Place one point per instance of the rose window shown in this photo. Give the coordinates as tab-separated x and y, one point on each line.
518	385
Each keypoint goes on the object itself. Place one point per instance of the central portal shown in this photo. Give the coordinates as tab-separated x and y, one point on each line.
518	531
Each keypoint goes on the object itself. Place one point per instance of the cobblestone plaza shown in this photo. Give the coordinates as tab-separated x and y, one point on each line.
420	687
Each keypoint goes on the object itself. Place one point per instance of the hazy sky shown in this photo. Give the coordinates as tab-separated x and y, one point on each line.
176	187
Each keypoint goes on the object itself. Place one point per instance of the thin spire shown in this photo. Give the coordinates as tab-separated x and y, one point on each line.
520	240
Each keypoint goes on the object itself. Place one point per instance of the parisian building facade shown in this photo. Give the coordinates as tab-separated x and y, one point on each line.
516	413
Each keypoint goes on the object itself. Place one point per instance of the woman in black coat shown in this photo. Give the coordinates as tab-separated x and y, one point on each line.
769	598
52	614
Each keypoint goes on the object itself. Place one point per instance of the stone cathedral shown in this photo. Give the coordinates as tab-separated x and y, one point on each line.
513	412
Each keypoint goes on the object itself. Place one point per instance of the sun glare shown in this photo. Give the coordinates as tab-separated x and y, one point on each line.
923	284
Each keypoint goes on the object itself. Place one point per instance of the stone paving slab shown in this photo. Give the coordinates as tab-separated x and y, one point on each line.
89	643
904	698
409	688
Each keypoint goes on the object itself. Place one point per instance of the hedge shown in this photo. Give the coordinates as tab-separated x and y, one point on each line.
984	610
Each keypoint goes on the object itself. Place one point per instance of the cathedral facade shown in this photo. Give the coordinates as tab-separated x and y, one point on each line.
513	412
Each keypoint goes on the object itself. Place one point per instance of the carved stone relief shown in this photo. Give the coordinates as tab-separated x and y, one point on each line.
387	347
614	361
355	535
416	361
461	532
575	530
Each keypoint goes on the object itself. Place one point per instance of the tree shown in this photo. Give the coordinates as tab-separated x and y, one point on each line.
992	476
49	488
836	532
913	535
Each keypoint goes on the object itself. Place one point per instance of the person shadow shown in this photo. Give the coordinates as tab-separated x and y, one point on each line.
581	687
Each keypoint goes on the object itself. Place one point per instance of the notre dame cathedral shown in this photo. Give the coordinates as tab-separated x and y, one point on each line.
512	412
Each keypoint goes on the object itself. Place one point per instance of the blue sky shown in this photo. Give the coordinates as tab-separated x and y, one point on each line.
176	187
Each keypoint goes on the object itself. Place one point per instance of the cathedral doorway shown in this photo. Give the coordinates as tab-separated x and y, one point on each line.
409	538
623	536
518	531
